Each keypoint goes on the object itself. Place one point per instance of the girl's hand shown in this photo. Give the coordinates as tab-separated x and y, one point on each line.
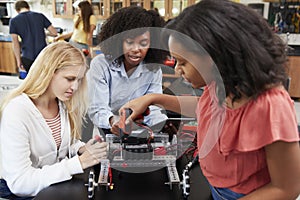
94	151
138	106
114	122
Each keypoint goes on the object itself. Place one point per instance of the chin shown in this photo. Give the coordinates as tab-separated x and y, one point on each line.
197	86
64	98
135	63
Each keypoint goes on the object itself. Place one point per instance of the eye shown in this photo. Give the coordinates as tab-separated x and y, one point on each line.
70	78
179	62
129	41
144	43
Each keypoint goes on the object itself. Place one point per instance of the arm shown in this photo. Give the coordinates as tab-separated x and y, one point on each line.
52	31
155	87
185	105
17	49
93	23
63	37
28	162
90	36
99	93
34	164
283	161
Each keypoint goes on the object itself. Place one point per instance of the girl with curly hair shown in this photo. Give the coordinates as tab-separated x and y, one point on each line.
128	68
247	135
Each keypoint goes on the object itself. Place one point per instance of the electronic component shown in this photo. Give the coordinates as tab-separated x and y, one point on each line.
126	128
140	149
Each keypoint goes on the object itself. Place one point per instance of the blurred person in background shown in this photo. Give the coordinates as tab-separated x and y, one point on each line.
30	27
84	25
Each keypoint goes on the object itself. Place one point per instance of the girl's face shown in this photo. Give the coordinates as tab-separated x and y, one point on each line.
135	50
66	81
192	67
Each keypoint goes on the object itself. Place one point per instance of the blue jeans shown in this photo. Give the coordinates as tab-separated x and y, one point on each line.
7	194
224	194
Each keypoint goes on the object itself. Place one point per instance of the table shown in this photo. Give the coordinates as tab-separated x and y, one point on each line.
8	83
130	186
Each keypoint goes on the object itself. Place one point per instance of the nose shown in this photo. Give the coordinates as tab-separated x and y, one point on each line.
74	85
135	47
178	70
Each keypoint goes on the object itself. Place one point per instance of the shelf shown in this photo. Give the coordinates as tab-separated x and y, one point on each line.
280	1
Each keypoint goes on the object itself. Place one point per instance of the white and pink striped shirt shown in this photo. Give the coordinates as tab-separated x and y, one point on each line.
54	125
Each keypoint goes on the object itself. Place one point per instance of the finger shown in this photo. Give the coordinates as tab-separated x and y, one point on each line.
90	142
97	138
99	155
121	110
139	121
103	155
114	130
129	119
99	145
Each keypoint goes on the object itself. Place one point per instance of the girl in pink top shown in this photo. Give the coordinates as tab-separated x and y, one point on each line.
248	142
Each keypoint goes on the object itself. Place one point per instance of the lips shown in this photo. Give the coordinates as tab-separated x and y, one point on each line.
69	94
134	58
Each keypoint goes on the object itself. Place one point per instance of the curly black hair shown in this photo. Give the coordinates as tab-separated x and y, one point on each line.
129	22
248	54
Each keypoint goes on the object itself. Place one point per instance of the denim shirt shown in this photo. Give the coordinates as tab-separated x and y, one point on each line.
110	88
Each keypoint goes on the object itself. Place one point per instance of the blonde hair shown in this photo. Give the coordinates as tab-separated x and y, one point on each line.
52	58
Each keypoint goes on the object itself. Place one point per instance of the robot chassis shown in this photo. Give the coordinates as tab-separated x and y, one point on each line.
138	150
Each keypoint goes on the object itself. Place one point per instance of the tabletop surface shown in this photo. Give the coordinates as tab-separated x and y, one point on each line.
130	186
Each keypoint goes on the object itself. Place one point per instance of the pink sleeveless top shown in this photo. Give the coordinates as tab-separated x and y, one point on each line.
231	141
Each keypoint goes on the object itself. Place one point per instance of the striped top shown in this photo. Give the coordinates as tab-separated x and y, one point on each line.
54	125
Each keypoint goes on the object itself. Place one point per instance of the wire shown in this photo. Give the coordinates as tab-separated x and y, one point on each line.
150	131
182	134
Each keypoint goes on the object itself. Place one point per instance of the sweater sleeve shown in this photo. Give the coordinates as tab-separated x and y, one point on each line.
28	163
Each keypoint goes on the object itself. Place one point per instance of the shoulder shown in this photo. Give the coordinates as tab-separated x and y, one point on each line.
76	17
19	104
93	20
99	64
19	101
99	60
36	15
276	97
16	18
